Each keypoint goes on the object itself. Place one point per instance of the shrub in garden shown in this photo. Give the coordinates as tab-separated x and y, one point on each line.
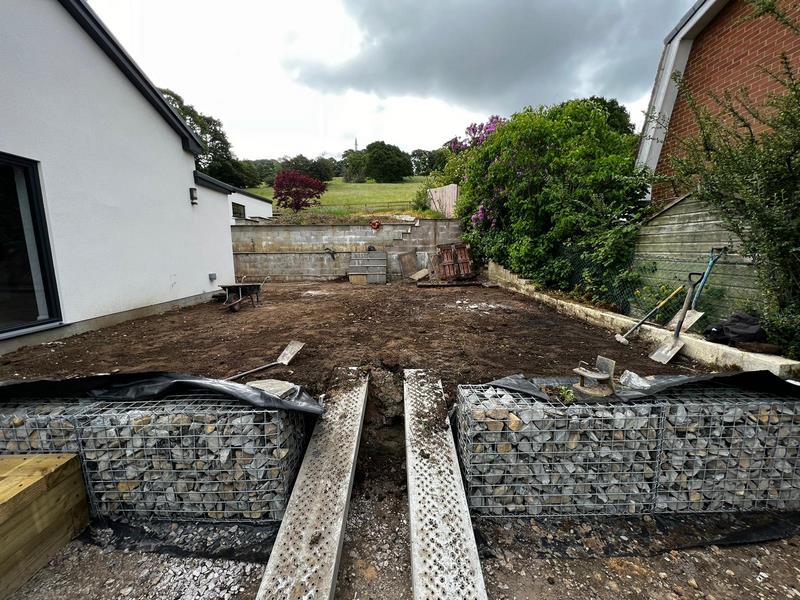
453	171
554	195
476	134
448	164
297	191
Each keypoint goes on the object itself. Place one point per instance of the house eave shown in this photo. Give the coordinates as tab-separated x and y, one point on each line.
211	183
252	195
677	47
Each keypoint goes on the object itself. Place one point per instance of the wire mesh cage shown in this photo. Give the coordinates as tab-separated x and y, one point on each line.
734	450
526	457
47	427
199	457
693	448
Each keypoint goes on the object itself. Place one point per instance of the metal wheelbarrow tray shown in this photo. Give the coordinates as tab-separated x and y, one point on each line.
236	293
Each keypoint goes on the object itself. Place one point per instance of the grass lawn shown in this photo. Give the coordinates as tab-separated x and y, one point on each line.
341	194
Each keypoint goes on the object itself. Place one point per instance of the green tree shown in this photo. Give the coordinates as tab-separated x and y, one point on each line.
218	159
437	159
234	172
619	118
427	161
420	161
386	163
322	168
354	166
554	195
266	169
298	163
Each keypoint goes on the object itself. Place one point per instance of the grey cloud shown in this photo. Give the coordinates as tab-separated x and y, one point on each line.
498	56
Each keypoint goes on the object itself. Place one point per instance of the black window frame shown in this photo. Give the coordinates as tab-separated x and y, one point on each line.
30	169
234	206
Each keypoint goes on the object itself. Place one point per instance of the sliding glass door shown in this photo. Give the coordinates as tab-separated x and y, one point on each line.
27	287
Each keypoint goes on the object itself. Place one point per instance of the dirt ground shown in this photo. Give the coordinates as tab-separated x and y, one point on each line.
465	335
469	334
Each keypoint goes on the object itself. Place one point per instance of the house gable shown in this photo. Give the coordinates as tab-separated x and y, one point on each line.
94	27
716	48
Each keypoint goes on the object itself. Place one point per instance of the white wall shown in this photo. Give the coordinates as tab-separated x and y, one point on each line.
252	206
114	175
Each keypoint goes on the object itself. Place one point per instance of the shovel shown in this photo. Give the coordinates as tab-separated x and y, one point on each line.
693	316
623	339
672	345
291	350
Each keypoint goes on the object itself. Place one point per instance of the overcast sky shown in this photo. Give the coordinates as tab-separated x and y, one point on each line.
309	76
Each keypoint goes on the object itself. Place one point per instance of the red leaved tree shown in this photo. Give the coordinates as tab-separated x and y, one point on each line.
297	191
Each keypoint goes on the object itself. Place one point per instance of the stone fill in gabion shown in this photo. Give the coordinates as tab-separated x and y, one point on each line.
736	451
732	450
190	457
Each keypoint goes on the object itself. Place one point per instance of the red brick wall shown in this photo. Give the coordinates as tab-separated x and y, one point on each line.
727	55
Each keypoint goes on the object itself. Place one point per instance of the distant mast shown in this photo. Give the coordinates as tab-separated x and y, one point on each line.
356	144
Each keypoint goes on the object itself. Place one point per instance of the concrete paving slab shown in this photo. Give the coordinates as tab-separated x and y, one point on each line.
421	274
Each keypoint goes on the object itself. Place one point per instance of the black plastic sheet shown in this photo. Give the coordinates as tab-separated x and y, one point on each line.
760	381
152	386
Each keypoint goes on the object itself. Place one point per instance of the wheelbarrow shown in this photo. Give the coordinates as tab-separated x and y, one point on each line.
236	293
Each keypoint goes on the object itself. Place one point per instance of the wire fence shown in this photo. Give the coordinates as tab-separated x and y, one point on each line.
199	457
698	448
356	207
633	292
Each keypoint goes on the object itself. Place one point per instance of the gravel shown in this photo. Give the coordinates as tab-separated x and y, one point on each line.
86	571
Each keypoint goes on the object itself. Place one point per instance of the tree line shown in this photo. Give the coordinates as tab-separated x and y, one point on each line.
379	161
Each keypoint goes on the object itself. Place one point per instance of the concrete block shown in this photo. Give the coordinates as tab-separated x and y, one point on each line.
696	347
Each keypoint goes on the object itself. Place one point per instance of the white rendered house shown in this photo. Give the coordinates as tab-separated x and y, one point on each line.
102	217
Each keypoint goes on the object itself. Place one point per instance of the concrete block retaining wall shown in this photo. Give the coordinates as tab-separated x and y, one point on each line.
648	336
322	252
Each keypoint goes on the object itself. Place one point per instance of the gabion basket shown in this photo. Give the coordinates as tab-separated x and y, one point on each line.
198	457
693	448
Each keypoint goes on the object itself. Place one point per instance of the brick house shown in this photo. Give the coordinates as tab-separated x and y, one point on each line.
717	48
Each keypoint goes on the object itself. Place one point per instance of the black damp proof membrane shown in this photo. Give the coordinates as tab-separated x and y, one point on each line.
152	386
632	536
230	541
748	381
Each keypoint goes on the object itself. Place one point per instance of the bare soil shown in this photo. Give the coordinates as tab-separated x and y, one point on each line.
464	335
469	334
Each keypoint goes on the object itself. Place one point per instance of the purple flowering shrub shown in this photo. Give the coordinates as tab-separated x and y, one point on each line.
554	195
476	134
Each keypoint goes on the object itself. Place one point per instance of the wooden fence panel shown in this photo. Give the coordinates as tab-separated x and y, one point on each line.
678	240
443	199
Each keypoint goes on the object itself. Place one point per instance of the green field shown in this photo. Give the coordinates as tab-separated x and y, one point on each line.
348	197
